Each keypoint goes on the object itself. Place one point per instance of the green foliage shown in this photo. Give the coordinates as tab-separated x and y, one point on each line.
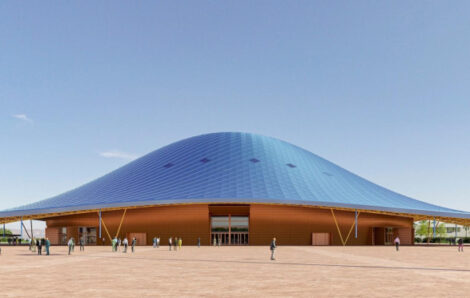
441	230
422	228
7	232
425	228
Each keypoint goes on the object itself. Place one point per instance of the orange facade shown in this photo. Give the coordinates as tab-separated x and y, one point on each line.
291	225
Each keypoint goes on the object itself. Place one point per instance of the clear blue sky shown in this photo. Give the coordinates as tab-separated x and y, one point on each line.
381	88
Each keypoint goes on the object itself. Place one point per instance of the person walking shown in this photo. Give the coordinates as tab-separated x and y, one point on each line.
460	242
180	243
134	241
48	244
114	244
158	242
33	245
397	243
125	242
70	244
169	243
82	244
119	244
175	243
273	248
43	243
73	244
39	245
154	242
215	241
219	242
199	242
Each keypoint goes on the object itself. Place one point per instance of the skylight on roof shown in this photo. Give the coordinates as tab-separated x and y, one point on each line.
168	165
204	160
327	174
291	165
254	160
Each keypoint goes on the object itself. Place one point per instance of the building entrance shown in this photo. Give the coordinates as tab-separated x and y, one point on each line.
229	230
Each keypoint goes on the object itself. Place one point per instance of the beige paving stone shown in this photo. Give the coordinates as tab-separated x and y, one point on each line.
300	271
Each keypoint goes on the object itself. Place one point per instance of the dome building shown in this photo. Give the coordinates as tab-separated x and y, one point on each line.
236	188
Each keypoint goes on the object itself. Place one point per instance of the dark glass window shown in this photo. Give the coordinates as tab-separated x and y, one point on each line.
239	223
219	224
236	223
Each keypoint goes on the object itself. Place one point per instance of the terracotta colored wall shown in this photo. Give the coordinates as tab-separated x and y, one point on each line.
295	225
186	221
53	234
290	225
406	236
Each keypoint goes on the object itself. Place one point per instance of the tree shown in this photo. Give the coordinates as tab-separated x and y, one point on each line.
441	230
425	229
7	232
422	228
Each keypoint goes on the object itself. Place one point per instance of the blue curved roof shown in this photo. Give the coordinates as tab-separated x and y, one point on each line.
232	167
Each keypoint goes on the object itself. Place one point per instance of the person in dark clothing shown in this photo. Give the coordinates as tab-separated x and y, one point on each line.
460	245
39	245
273	248
134	241
198	242
82	245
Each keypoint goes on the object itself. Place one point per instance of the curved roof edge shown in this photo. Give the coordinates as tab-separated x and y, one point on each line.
43	213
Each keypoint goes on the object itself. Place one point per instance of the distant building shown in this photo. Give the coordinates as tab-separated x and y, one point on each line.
462	231
236	188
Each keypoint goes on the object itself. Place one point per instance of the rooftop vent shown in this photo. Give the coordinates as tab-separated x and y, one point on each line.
291	165
327	174
168	165
204	160
254	160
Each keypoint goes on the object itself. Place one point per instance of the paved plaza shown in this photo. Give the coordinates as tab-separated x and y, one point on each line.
237	271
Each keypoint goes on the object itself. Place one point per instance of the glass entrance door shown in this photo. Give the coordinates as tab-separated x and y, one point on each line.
229	230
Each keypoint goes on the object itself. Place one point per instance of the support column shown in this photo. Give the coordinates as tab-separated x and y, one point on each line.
434	229
25	229
120	224
99	213
337	227
229	229
105	228
21	229
3	230
355	228
32	236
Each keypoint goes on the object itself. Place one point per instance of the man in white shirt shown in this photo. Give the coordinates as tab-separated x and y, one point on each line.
397	243
125	242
